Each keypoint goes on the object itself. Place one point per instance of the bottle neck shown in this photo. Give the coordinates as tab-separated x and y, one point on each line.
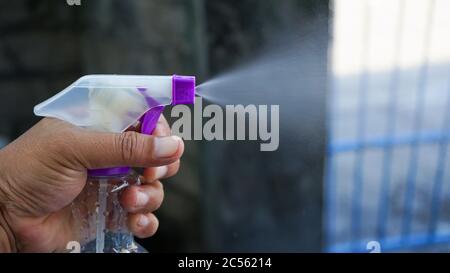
116	171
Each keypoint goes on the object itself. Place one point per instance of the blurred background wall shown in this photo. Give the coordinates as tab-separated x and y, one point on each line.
227	196
389	101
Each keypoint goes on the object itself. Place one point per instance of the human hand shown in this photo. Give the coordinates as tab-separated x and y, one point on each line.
45	169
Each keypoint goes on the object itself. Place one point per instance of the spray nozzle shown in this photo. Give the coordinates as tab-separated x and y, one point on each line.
183	88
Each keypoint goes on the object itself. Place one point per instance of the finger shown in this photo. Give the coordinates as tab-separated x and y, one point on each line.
142	225
104	150
162	128
144	198
156	173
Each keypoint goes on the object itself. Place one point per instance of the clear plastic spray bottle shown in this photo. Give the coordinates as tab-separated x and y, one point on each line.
112	103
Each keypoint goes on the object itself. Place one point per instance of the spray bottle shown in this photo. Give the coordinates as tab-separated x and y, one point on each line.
112	103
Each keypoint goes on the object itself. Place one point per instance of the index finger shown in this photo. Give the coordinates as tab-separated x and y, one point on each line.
162	128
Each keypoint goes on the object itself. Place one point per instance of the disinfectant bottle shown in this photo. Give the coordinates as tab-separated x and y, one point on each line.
112	103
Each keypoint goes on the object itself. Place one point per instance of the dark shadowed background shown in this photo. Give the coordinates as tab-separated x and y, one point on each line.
228	196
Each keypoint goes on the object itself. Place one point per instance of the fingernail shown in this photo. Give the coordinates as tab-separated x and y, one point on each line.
161	172
142	199
166	146
143	221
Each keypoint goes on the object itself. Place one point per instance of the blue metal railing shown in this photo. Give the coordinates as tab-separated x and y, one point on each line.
408	239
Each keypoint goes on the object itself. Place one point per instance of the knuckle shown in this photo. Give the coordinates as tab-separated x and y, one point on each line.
128	144
130	197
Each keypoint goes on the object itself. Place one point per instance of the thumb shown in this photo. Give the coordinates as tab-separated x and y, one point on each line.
104	150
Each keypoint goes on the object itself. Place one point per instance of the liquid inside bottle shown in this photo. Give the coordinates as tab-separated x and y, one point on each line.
100	222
